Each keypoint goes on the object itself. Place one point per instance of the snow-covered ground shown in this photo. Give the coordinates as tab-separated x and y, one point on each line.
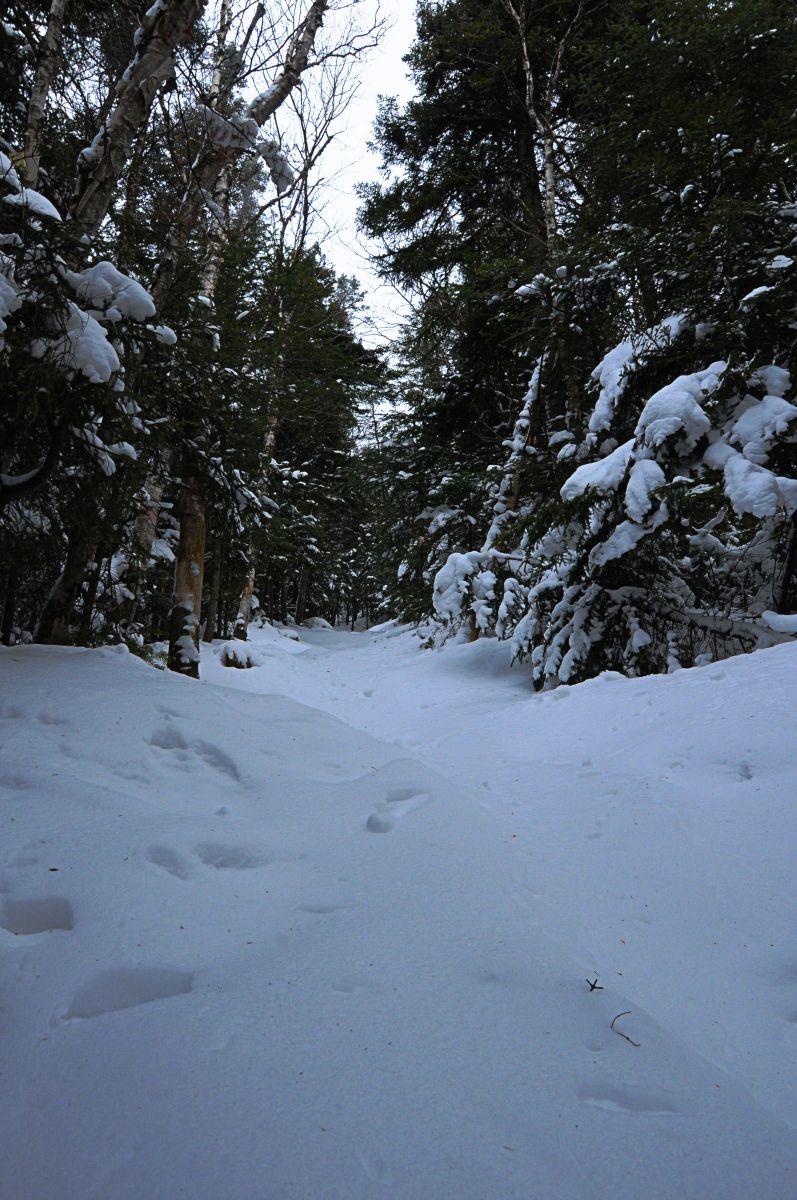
321	929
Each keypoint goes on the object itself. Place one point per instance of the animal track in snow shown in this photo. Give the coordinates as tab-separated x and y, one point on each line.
627	1099
397	803
36	916
225	857
170	738
15	783
168	860
127	987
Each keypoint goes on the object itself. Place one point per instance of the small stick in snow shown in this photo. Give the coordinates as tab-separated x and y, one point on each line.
593	985
624	1035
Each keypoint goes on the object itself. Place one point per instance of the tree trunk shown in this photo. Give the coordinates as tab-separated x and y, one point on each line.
163	29
213	158
144	531
247	591
301	593
9	606
789	568
56	615
184	620
188	575
215	590
86	617
45	71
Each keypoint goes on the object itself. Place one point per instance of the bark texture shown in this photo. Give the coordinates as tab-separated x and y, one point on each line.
213	157
161	32
248	590
144	531
56	615
215	591
49	57
188	575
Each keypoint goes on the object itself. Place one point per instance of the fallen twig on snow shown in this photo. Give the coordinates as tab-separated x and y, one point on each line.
624	1035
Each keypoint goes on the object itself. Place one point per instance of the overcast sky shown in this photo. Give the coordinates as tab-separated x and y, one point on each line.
382	73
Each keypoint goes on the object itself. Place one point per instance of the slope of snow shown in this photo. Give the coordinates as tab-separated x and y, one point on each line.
258	950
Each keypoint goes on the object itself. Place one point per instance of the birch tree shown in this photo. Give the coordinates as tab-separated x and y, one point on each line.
49	55
228	139
164	28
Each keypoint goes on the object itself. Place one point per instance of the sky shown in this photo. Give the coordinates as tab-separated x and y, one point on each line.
350	162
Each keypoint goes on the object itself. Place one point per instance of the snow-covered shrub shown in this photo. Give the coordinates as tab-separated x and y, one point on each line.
240	655
69	327
670	545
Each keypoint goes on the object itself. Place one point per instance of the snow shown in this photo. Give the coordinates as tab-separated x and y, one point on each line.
760	424
280	169
775	380
103	284
8	172
322	928
749	487
615	368
756	294
781	622
230	132
611	374
675	408
451	583
620	541
83	347
271	643
165	335
605	475
645	478
35	201
10	300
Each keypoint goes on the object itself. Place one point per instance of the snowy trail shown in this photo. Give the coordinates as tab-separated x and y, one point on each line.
252	949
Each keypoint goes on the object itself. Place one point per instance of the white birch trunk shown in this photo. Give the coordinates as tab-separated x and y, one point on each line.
162	31
45	72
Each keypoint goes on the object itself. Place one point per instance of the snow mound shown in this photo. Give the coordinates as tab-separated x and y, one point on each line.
239	654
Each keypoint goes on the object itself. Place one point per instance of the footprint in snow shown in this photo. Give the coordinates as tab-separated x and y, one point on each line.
232	858
170	738
397	804
15	783
168	860
36	916
126	987
627	1099
45	718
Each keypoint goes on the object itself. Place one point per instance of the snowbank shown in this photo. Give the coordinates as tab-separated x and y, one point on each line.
251	951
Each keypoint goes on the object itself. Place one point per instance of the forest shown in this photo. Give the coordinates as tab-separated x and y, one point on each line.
581	441
398	599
